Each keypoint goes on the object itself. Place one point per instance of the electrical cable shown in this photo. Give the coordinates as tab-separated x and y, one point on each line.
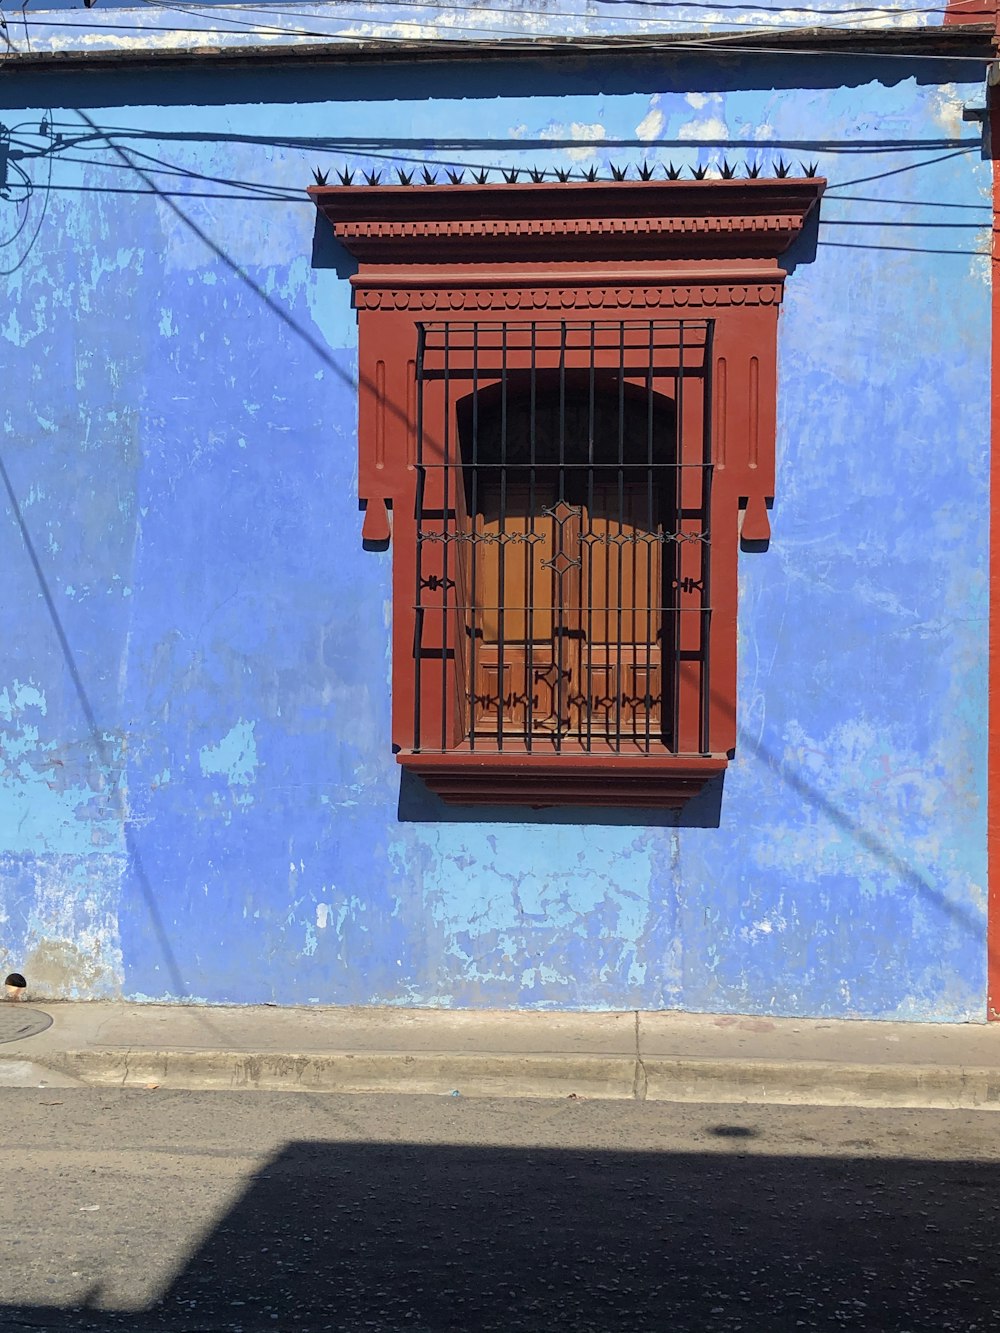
389	151
534	46
405	146
902	203
743	29
888	11
392	159
9	48
258	196
259	189
278	11
31	189
701	42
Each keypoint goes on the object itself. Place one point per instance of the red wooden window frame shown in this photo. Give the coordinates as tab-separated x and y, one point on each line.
596	250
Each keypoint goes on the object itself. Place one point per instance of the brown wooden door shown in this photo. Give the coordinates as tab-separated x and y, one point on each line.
565	612
622	616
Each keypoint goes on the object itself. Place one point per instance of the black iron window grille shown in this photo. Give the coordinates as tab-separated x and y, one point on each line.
563	554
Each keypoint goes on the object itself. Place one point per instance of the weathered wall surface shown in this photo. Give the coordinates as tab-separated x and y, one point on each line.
197	795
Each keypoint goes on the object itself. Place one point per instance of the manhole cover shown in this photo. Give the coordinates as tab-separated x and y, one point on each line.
17	1022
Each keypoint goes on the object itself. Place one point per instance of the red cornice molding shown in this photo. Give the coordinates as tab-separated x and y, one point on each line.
602	220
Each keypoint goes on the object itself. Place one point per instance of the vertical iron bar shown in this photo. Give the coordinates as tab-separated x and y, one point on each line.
529	708
651	531
590	545
604	470
706	550
561	504
472	596
679	545
619	682
446	531
501	583
419	516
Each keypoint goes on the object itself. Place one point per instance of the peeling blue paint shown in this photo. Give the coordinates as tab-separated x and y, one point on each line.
235	756
197	795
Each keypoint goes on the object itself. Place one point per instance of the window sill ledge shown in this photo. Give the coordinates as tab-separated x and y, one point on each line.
540	781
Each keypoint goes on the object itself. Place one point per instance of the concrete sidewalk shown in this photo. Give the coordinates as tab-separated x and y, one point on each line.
640	1056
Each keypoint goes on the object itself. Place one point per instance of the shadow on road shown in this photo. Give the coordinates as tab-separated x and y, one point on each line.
416	1238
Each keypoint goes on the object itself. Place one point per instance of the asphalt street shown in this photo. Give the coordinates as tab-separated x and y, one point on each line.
198	1212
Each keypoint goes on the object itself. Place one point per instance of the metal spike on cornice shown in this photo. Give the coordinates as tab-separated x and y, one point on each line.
593	174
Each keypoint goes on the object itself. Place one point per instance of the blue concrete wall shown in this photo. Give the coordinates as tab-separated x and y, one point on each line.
197	794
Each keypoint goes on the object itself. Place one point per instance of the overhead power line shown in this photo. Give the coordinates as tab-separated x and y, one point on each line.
517	43
855	14
228	23
749	30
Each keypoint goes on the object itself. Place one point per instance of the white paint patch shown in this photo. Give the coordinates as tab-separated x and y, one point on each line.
981	267
578	131
651	126
767	925
586	135
322	915
72	947
710	128
948	107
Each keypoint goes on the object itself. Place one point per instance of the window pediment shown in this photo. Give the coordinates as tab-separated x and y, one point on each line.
615	220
